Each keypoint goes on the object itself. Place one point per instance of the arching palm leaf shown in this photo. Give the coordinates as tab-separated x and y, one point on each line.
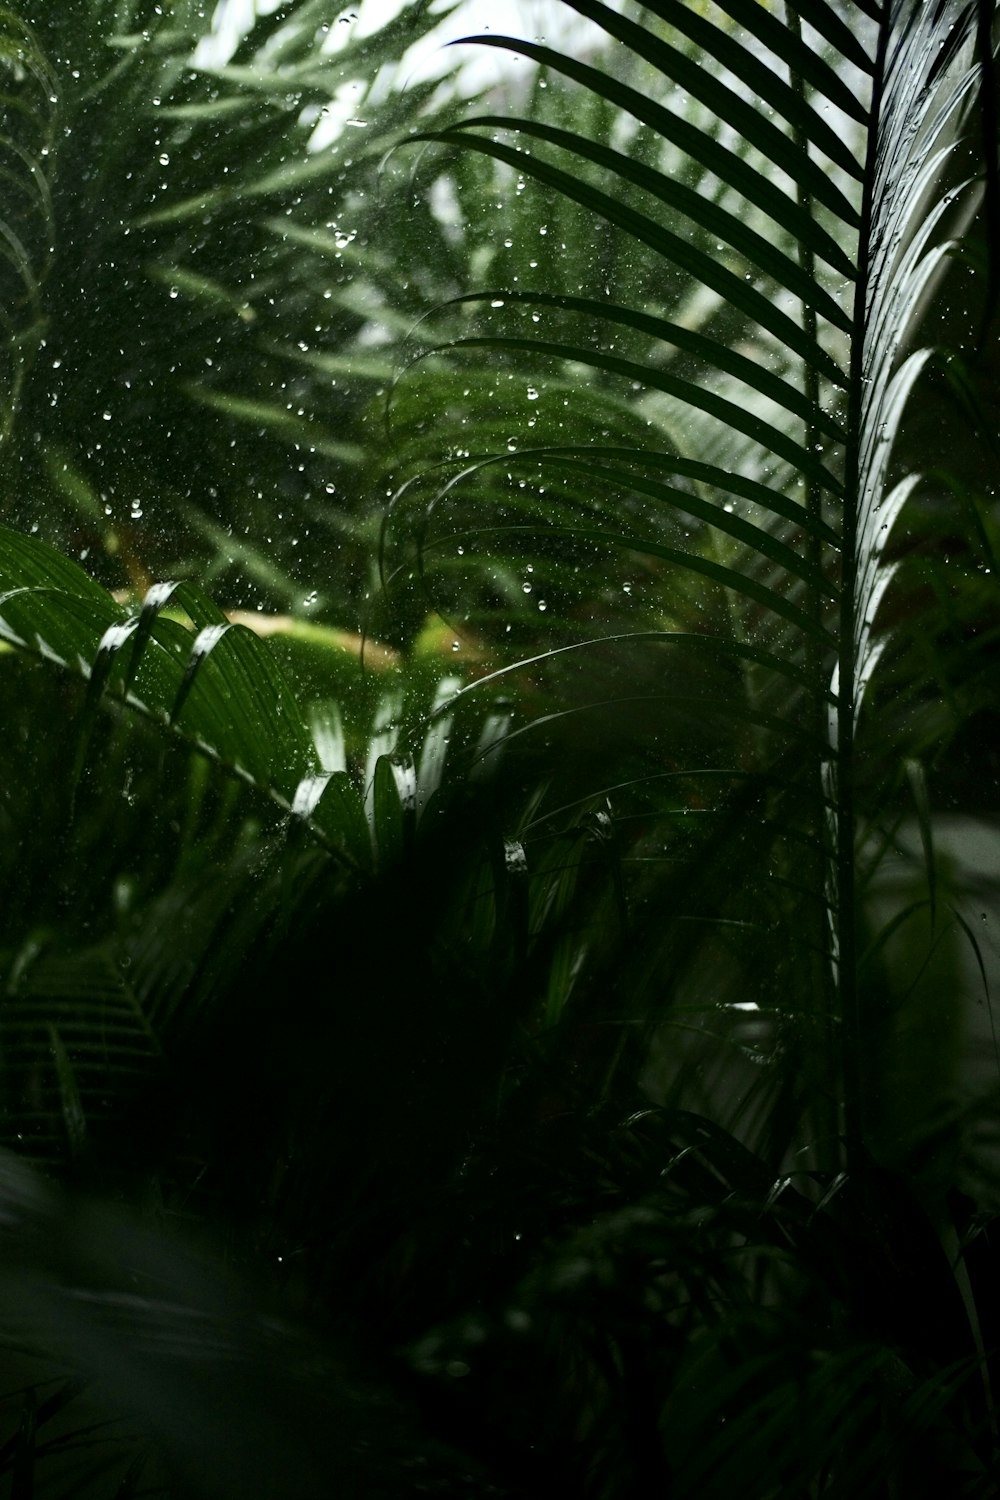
817	215
668	429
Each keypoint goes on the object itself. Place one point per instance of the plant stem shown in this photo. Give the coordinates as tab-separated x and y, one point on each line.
822	978
845	914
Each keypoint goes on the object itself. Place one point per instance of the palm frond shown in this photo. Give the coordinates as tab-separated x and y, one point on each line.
808	402
385	1004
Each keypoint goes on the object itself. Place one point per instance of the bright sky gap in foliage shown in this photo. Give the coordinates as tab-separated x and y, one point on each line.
431	56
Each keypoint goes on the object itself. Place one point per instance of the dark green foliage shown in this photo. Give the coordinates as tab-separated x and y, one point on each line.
570	1004
160	403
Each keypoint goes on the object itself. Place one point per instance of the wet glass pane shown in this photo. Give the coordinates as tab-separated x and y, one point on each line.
498	780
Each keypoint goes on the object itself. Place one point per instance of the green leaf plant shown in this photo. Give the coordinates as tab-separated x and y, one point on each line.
178	286
786	484
764	502
542	1033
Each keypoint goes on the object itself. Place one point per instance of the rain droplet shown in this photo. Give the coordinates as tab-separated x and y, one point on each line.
164	159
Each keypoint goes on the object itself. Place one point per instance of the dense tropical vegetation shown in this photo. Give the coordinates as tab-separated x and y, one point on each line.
498	769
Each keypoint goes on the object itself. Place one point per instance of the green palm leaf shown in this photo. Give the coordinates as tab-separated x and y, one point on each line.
807	400
672	419
216	684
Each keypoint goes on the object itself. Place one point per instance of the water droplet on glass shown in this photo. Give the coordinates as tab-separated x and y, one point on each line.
497	302
331	488
532	393
107	416
525	588
542	605
174	291
164	159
